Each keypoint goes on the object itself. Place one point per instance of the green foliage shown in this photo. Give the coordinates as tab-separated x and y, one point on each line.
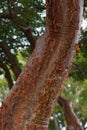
52	124
3	88
75	91
83	102
79	70
21	57
24	13
85	9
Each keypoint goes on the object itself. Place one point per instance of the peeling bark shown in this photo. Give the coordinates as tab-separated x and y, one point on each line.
34	95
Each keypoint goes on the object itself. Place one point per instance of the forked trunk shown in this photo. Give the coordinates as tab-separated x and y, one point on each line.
31	101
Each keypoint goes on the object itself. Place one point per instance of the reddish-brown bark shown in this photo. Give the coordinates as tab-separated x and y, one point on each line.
30	103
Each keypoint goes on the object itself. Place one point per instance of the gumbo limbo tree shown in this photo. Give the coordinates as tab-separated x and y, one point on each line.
29	104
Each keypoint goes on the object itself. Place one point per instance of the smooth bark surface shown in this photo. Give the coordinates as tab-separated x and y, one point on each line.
30	103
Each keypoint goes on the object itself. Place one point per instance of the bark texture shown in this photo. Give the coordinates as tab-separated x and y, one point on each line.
30	103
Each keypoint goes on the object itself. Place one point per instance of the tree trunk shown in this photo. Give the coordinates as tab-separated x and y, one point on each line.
31	101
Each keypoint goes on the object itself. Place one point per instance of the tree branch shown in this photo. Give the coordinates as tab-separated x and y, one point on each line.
71	119
33	6
14	19
26	30
7	74
30	38
39	7
5	15
15	68
80	71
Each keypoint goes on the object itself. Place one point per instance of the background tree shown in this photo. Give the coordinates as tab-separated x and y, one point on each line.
21	23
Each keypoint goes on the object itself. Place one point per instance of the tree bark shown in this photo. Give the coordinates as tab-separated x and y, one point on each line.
31	101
